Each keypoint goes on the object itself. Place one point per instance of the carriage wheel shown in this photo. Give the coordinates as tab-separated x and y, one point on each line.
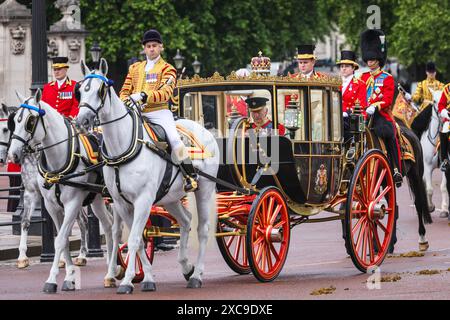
233	248
122	259
370	211
268	234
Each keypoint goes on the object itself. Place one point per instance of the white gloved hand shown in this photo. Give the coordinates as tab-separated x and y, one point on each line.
444	114
407	96
136	97
345	114
370	110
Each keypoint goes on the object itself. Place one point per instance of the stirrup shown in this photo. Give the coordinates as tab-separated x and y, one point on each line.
445	165
398	178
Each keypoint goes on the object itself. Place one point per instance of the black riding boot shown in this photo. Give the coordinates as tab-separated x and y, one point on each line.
443	151
190	175
394	160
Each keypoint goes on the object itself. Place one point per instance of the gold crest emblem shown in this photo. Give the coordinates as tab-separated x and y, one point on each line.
321	182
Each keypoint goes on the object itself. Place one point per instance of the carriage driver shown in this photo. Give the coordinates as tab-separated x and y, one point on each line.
380	94
444	104
306	62
151	83
258	110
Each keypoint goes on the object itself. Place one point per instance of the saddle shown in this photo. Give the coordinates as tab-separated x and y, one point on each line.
196	150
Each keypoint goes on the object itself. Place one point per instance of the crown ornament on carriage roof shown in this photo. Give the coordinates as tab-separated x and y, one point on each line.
260	64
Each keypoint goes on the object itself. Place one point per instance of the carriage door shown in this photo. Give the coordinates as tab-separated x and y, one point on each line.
322	171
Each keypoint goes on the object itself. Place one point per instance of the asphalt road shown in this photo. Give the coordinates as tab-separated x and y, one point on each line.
316	260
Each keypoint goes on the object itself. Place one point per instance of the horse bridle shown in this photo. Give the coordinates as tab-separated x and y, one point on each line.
103	93
31	123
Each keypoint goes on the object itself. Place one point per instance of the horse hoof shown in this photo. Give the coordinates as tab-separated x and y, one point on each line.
188	275
68	286
444	214
125	289
109	283
194	283
50	287
423	246
21	264
120	273
81	262
61	264
148	286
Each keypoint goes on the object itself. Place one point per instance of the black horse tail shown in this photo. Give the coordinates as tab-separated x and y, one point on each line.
415	177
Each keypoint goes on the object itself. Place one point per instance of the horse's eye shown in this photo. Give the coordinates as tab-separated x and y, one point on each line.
5	130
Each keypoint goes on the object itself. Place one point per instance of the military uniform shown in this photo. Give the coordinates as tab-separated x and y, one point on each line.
154	81
306	51
61	97
380	88
444	104
423	95
256	104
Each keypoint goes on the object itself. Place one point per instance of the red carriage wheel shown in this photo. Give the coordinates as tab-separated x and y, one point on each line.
122	257
370	211
233	247
268	234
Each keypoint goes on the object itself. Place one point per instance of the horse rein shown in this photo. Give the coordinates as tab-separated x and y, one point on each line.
432	139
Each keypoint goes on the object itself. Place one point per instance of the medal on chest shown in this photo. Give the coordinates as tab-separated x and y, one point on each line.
151	77
65	95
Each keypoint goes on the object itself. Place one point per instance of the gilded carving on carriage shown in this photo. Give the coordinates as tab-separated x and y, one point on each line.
321	182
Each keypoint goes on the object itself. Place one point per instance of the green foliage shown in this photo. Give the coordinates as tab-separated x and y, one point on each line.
223	34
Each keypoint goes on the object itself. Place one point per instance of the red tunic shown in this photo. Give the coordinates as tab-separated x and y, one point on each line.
356	90
269	125
444	102
63	98
380	92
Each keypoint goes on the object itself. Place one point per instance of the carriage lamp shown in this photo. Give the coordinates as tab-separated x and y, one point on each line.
292	118
178	59
95	52
196	65
357	124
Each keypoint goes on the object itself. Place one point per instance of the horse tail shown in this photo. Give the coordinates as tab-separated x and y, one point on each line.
415	174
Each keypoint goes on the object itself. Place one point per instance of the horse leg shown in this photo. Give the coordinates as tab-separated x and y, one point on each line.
29	206
109	280
142	207
100	211
427	177
444	195
204	199
183	217
82	223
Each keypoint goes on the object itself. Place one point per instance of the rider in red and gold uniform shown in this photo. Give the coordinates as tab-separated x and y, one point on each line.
258	109
352	88
60	93
380	95
443	106
306	62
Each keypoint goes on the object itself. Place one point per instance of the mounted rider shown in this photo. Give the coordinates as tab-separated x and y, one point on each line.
306	62
444	105
423	95
380	95
151	82
352	89
60	93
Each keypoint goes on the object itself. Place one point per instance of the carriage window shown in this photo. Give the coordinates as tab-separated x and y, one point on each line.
319	123
188	107
236	106
337	114
209	108
291	112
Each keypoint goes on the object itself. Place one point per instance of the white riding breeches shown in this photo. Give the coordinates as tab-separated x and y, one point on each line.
165	119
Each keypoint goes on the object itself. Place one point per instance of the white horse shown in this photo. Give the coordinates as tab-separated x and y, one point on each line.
141	177
428	140
35	123
32	196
